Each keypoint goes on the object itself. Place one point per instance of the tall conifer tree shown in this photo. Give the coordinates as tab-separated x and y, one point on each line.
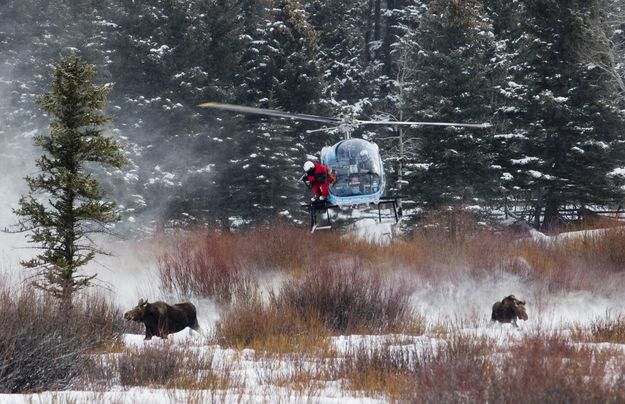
66	203
281	72
452	46
572	127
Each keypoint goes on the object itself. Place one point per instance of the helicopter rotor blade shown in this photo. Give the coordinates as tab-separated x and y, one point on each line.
268	112
408	123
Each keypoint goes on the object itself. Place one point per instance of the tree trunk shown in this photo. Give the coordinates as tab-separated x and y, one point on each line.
67	295
537	211
377	21
368	31
551	220
389	37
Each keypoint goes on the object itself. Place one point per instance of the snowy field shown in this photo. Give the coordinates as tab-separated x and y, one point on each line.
254	374
452	305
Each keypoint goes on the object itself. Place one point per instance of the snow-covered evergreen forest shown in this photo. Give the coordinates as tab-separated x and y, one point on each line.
547	74
271	312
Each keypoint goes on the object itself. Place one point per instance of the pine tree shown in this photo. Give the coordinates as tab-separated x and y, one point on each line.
452	48
342	50
65	203
506	19
571	125
281	72
36	32
398	143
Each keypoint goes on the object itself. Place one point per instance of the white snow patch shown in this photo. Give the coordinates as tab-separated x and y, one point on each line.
524	160
617	172
372	231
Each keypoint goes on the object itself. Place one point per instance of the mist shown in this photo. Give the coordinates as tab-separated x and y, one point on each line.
468	298
17	160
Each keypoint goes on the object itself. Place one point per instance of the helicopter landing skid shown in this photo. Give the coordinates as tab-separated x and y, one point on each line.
324	207
394	202
315	208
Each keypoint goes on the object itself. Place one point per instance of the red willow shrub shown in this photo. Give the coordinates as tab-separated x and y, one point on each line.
204	264
327	300
222	265
538	368
348	299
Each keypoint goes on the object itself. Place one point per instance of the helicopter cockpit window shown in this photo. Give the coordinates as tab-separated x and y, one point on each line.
356	165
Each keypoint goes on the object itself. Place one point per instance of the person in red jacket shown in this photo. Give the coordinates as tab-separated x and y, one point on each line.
318	177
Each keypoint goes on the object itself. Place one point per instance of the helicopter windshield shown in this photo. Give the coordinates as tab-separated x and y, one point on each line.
357	167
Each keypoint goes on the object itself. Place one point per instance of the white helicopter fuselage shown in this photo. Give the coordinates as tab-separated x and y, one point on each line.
359	172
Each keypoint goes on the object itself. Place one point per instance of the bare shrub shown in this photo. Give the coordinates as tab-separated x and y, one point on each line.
305	311
456	371
608	329
465	369
266	326
223	256
348	300
99	317
97	373
42	346
489	251
600	251
280	247
579	262
167	365
383	369
150	366
543	369
204	264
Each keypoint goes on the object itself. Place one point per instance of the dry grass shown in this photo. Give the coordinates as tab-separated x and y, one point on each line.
265	326
170	366
380	370
610	329
537	369
604	251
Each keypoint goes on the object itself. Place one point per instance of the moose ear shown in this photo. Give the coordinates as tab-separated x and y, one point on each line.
142	302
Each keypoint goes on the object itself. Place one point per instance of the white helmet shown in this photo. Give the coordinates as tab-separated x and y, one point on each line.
309	165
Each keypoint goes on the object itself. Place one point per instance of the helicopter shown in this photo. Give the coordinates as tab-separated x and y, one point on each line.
356	183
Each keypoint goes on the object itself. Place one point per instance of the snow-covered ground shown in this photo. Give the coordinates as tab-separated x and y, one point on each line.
461	301
254	373
260	379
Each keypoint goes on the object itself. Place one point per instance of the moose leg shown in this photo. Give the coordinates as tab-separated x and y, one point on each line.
163	330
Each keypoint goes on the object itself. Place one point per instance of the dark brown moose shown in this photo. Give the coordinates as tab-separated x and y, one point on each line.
508	310
161	319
